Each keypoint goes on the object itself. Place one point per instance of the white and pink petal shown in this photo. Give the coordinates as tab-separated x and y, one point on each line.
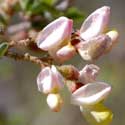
54	34
90	94
49	80
96	23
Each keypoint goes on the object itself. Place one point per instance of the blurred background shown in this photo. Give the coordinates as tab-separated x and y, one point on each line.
22	104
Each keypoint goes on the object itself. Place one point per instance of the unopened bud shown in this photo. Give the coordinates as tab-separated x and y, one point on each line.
69	72
54	102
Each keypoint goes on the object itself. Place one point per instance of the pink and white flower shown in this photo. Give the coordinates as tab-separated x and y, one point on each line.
50	80
94	39
54	36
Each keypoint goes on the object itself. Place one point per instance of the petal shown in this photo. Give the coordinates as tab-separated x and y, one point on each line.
93	48
54	102
91	93
62	54
52	52
89	73
44	80
97	114
96	23
55	33
66	53
57	77
49	80
114	36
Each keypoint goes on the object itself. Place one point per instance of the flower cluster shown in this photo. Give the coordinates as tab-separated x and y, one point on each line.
94	41
90	42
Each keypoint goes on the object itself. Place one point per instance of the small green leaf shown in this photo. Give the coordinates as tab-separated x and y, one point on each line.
97	114
3	48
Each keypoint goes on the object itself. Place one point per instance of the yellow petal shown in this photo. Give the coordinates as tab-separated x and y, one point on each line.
97	114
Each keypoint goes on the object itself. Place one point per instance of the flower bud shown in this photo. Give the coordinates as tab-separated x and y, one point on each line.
96	23
54	102
55	34
50	80
93	48
89	73
66	53
90	94
69	72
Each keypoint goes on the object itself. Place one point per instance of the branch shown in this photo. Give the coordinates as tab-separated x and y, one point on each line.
28	43
44	61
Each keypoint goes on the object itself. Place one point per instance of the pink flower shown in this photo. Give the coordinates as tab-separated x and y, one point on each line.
49	80
94	40
55	34
90	94
89	91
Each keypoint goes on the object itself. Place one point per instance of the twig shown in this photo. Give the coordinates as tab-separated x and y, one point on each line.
44	61
28	43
